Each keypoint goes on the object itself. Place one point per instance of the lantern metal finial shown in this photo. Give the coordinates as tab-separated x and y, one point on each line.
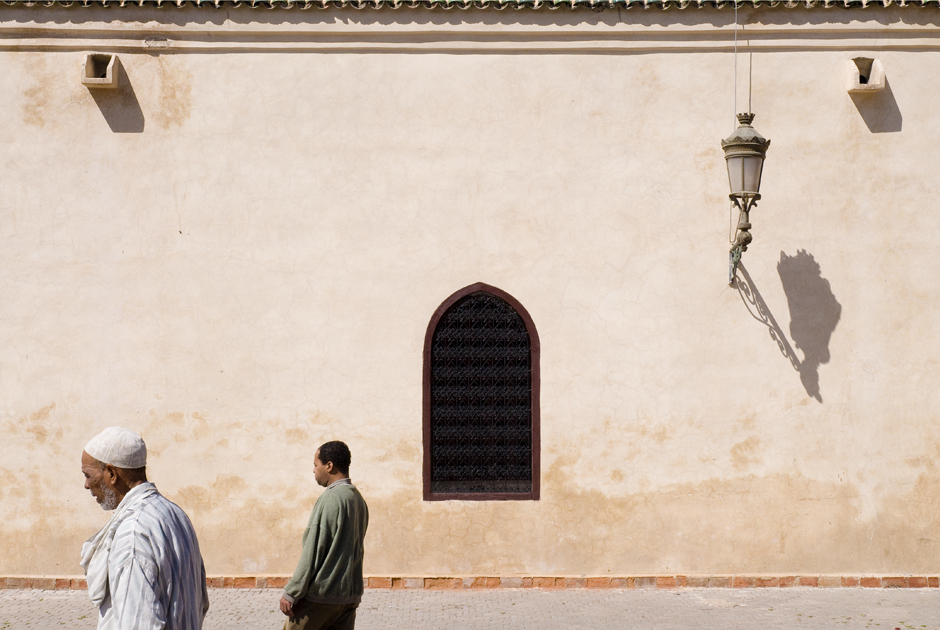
745	150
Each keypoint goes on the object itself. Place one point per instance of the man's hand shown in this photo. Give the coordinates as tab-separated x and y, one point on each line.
286	607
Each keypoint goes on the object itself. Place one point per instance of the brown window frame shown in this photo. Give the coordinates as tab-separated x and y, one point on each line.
534	350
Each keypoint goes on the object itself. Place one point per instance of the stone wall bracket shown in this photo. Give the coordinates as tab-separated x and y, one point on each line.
101	71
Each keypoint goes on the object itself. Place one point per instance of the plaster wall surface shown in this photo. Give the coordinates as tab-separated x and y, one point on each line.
238	254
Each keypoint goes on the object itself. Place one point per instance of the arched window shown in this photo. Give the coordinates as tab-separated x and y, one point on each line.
481	399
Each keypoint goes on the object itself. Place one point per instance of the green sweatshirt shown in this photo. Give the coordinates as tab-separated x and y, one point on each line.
330	567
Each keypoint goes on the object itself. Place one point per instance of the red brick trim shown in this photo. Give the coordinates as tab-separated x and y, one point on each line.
661	582
43	583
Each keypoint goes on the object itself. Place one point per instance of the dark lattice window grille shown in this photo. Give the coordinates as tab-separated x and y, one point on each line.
481	397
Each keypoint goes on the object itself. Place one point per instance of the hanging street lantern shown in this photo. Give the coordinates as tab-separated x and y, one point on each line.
745	150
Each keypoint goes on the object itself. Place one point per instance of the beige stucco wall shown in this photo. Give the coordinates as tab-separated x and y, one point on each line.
252	274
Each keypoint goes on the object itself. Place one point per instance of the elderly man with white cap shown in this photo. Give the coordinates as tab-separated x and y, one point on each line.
143	567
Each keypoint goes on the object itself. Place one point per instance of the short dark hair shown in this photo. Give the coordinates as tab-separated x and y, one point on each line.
338	453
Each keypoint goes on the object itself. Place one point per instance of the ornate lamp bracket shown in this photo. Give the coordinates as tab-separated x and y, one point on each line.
742	234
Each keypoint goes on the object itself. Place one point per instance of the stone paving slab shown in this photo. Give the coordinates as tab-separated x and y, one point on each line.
522	609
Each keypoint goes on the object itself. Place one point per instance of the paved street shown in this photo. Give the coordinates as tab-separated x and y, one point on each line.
693	609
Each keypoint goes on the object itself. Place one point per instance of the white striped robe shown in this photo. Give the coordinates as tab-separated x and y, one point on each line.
156	578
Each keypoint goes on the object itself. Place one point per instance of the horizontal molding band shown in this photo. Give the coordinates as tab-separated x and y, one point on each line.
471	4
205	30
666	582
467	43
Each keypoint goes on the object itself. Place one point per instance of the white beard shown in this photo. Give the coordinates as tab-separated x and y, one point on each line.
110	500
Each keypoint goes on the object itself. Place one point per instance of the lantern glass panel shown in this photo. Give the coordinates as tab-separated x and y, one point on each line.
751	168
736	174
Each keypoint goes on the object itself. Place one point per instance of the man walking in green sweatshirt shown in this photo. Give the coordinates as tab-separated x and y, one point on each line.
326	587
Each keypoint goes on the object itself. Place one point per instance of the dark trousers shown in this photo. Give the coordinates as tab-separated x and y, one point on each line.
313	616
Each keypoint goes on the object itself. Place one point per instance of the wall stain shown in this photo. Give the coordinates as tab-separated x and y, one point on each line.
36	97
778	523
297	435
400	450
927	461
749	421
773	524
43	414
175	92
743	454
176	427
37	425
250	517
658	433
200	427
177	418
238	531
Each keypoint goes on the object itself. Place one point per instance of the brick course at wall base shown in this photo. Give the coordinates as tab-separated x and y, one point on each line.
663	582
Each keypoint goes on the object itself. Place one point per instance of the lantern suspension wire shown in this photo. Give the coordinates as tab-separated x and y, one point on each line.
734	113
750	67
750	75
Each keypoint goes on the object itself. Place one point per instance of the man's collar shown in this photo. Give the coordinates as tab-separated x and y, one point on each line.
340	482
141	487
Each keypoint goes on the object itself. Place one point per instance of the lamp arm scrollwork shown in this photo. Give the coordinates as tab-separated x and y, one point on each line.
742	236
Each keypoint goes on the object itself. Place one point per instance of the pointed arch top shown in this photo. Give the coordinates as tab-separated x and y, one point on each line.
481	419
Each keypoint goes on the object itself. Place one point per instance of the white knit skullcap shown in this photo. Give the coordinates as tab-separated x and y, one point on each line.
118	447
